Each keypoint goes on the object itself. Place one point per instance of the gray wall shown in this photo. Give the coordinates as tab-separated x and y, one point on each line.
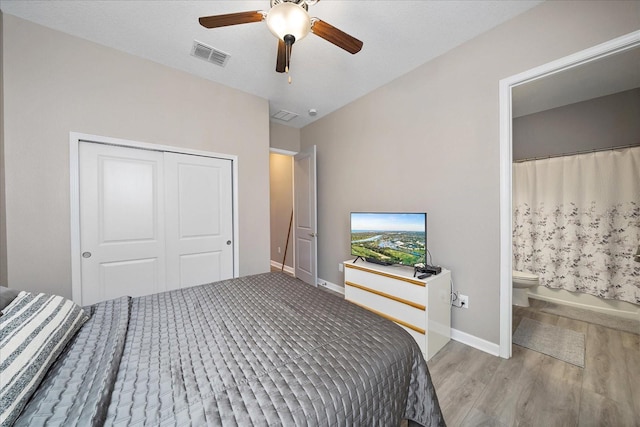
281	189
3	216
429	141
284	137
605	122
55	83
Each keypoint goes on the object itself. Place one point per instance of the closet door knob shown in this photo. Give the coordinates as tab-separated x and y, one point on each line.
228	242
86	254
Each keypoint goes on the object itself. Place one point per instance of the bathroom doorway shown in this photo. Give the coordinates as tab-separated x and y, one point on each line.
554	72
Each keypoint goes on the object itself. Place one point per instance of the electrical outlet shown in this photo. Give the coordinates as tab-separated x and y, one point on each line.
340	267
464	301
279	251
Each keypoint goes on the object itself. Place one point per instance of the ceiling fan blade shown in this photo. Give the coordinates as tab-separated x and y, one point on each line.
216	21
281	61
336	36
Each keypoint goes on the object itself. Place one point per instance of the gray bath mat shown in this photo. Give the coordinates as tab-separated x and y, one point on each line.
606	320
553	341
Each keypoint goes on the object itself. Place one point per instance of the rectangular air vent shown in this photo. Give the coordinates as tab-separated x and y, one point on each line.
215	56
284	115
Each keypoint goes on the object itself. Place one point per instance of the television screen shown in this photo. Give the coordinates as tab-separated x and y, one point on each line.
389	238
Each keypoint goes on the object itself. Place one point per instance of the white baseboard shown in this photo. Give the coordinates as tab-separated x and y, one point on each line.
278	265
332	286
475	342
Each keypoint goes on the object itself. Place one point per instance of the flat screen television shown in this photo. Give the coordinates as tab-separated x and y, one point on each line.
389	237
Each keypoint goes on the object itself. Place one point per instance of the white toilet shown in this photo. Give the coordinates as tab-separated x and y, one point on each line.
521	282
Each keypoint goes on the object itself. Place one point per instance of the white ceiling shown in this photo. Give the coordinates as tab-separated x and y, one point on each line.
398	36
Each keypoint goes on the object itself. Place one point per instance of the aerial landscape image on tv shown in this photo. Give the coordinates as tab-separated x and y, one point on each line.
388	237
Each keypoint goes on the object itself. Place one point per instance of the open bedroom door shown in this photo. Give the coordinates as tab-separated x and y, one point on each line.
306	216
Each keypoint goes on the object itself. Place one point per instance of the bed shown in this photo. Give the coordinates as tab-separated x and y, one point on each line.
258	350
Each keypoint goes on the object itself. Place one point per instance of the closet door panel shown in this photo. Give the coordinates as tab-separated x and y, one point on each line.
199	212
121	222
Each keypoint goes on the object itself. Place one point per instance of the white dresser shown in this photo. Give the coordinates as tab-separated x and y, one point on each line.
421	307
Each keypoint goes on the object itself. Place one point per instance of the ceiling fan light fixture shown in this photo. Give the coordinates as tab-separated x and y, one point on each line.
288	18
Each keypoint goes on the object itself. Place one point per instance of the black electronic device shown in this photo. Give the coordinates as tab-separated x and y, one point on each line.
433	269
426	269
425	275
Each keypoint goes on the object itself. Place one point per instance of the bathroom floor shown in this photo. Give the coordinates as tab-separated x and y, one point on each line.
475	388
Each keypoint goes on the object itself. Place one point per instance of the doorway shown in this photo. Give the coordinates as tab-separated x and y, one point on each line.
281	211
603	50
294	225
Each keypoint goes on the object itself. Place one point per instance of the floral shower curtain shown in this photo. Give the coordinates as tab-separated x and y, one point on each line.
577	222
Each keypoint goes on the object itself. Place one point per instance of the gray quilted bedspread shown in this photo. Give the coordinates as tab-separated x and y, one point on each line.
258	350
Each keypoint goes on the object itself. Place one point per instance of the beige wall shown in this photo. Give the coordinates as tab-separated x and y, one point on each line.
3	217
284	137
429	141
55	83
281	189
604	122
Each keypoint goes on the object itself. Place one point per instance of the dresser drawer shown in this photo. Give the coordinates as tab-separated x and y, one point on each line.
404	314
421	307
405	288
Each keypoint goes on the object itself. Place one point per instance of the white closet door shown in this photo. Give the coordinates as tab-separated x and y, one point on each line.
199	217
121	222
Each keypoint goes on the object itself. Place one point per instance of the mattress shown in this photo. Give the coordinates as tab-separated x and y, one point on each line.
260	350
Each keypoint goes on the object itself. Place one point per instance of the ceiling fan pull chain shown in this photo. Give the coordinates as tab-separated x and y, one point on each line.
288	59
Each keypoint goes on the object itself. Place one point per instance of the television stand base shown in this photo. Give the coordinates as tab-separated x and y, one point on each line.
359	257
376	261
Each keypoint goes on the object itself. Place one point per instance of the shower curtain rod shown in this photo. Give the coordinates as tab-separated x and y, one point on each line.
595	150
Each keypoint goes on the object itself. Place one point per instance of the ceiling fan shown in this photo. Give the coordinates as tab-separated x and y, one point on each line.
289	21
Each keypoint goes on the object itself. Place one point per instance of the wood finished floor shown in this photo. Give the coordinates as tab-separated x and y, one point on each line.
532	389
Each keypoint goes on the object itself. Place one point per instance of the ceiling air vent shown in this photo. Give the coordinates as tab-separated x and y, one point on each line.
284	115
202	51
